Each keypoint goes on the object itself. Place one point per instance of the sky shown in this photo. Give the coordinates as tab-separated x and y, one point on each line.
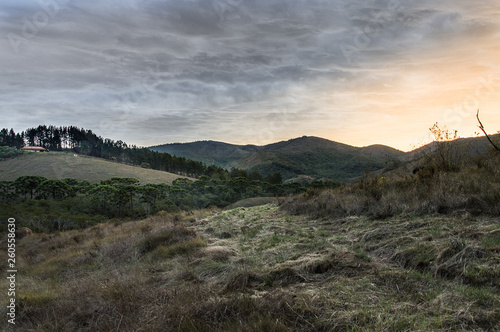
251	71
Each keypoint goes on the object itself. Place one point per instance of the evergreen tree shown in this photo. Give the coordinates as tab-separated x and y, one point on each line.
28	184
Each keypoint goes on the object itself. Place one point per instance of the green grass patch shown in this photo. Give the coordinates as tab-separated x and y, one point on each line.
491	241
53	267
482	274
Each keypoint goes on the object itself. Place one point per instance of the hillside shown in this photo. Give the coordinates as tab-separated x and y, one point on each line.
59	165
312	156
467	147
262	269
209	152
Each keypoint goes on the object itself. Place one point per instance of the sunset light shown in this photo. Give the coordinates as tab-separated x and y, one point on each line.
251	72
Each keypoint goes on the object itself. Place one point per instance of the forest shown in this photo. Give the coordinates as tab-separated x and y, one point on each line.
51	204
59	204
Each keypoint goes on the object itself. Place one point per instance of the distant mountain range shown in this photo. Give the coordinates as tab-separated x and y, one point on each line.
312	156
315	157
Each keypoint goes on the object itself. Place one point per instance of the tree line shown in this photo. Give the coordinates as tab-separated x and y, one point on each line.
53	204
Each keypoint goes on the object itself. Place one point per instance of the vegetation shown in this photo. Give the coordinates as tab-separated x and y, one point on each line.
313	156
60	165
60	204
414	251
261	269
496	146
443	180
85	142
209	152
7	152
63	202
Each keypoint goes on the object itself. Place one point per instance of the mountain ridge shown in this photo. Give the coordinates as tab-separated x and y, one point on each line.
315	157
307	155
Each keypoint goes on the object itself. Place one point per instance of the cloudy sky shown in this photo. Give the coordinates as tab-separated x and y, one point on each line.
251	71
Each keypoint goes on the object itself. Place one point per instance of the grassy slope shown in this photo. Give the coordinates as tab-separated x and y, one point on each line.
261	269
61	165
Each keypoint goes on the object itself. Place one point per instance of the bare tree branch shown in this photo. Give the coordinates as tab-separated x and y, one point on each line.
484	131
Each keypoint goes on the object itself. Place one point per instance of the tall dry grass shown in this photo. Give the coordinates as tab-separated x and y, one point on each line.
466	187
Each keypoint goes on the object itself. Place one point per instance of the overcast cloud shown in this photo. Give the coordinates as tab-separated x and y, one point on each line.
151	72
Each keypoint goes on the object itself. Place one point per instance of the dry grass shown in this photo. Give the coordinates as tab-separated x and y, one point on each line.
472	189
253	201
261	269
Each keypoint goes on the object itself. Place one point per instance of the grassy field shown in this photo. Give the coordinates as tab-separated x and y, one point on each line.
59	165
263	269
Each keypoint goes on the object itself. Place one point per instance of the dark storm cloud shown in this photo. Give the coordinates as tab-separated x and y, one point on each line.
159	68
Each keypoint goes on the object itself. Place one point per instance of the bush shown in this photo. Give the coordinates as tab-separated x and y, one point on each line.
6	152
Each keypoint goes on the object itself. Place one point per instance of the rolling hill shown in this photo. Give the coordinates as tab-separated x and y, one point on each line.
312	156
59	165
209	152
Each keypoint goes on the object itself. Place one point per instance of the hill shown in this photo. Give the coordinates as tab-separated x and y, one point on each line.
59	165
312	156
209	152
467	147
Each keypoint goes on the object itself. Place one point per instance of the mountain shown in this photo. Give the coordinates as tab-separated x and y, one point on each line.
59	165
209	152
307	155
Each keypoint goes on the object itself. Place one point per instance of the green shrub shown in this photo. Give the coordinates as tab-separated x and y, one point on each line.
6	152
